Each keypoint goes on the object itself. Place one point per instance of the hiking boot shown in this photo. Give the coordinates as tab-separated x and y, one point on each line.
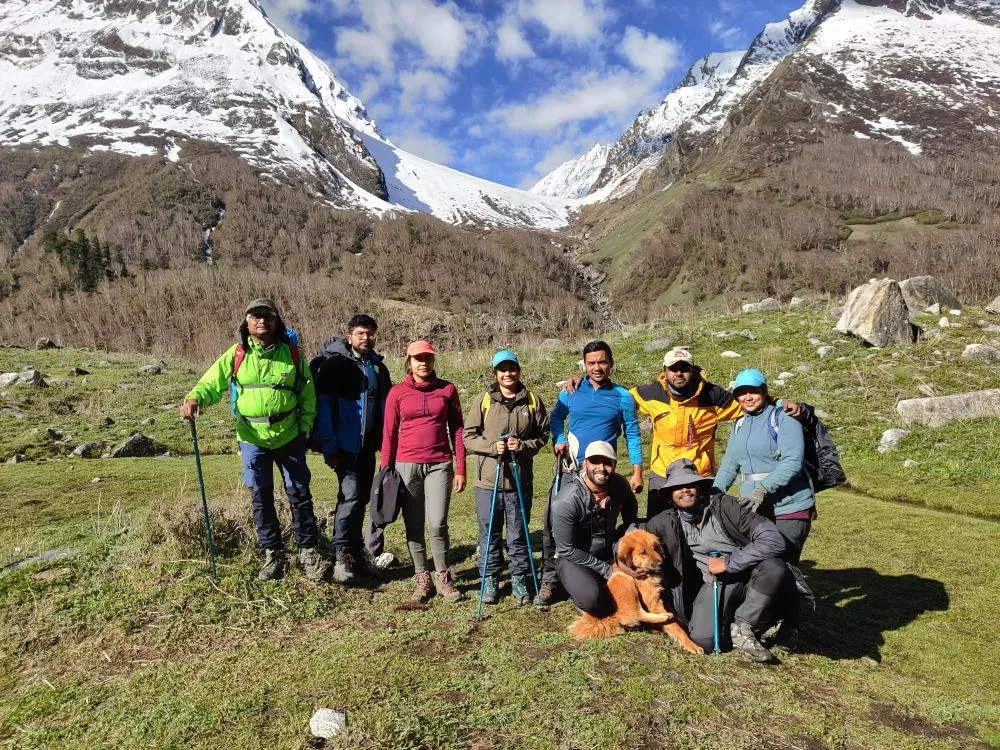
343	571
519	590
421	587
444	586
747	644
313	565
383	560
274	565
547	592
491	594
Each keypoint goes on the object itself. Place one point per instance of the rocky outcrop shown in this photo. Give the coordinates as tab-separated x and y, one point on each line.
994	307
921	292
982	352
877	313
138	446
935	412
767	304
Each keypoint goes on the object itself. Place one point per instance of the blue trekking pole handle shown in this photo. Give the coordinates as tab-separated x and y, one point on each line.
715	609
489	538
204	503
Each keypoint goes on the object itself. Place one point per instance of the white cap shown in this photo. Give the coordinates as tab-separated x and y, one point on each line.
601	448
677	354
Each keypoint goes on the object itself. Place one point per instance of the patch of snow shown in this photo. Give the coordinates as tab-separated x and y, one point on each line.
574	178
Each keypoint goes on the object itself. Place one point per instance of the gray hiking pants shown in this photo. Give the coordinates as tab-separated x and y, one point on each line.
430	494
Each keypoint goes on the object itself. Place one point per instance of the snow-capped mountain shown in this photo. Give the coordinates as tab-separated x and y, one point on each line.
869	63
574	178
145	77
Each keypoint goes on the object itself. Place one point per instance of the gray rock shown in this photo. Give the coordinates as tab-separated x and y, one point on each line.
51	555
9	411
891	439
327	723
836	312
934	309
994	307
955	313
910	464
779	382
659	345
8	379
148	422
138	446
877	313
89	450
825	351
813	341
944	323
96	480
924	291
32	378
938	411
932	334
796	302
152	369
46	343
767	304
785	375
730	355
802	368
17	458
78	371
982	352
822	414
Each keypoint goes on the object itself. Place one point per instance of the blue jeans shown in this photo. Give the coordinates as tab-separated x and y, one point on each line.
354	476
507	509
258	477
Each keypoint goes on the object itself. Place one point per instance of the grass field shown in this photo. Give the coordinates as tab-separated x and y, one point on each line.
129	644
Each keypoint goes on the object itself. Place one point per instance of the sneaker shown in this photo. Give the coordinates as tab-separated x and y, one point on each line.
313	565
547	592
519	590
491	594
421	587
383	561
444	586
747	644
274	565
343	571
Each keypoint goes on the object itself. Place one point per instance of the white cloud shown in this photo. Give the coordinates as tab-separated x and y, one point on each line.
421	86
576	21
287	15
424	145
649	53
511	44
725	33
365	48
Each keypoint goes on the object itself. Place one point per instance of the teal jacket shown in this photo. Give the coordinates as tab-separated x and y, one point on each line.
756	456
274	403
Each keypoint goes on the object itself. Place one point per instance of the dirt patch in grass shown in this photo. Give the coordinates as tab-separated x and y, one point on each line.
903	721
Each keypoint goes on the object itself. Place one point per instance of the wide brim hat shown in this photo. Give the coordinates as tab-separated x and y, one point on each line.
261	304
683	473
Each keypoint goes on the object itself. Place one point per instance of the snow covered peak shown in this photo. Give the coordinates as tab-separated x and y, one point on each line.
141	77
574	178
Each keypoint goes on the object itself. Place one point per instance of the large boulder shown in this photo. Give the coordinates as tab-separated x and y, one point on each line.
877	313
983	352
935	412
923	291
138	446
768	304
994	307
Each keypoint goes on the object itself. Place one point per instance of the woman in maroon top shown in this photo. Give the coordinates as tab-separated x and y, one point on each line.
421	433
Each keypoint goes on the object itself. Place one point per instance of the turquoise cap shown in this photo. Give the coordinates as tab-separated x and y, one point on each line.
505	355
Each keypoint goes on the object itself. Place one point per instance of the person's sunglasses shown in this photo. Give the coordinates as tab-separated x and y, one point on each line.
680	367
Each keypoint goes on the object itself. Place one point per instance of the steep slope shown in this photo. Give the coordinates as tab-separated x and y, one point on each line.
141	77
574	178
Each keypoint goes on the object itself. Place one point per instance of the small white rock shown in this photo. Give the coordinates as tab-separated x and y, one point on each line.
955	313
95	480
813	341
891	439
825	351
910	464
327	723
944	323
730	355
785	375
779	382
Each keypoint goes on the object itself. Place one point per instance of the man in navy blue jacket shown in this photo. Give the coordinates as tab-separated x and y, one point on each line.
352	383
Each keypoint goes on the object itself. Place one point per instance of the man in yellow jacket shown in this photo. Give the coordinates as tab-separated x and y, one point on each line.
685	410
274	402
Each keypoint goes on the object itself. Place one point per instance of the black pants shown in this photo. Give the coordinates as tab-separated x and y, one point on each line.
587	589
751	597
548	574
355	475
795	532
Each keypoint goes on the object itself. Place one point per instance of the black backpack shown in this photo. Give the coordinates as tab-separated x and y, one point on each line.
822	459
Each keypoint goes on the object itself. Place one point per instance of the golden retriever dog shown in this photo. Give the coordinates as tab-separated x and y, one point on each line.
637	602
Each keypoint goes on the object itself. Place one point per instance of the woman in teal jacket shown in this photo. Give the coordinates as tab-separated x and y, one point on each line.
765	453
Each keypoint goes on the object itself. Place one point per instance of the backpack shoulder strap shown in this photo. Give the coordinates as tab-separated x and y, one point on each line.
484	407
773	423
532	403
238	356
739	423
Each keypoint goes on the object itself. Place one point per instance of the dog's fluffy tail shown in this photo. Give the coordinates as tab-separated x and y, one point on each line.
587	626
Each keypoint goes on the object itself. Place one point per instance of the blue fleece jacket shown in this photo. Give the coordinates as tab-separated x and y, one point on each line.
601	413
757	458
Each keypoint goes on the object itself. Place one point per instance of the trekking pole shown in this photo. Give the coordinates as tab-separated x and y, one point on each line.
204	502
715	609
489	539
527	535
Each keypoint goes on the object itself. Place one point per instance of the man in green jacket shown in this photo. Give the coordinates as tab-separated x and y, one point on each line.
274	401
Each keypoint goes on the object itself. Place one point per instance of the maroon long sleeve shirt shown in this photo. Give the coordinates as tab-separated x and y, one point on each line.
423	424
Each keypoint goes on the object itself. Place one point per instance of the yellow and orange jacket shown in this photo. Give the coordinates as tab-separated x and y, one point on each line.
685	429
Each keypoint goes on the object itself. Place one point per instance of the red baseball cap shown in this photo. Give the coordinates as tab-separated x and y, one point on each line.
420	347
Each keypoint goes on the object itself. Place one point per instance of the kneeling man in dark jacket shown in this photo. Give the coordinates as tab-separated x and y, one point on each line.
709	535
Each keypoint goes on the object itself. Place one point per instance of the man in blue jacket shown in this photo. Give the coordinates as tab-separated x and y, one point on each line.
352	383
598	411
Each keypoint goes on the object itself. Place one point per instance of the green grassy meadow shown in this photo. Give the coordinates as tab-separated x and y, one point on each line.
129	643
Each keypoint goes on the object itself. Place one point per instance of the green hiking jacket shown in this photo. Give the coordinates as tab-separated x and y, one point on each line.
262	367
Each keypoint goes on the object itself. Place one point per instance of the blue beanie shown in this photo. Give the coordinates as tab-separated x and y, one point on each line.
750	378
505	355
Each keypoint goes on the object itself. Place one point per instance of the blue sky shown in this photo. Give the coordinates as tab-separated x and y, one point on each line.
509	89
